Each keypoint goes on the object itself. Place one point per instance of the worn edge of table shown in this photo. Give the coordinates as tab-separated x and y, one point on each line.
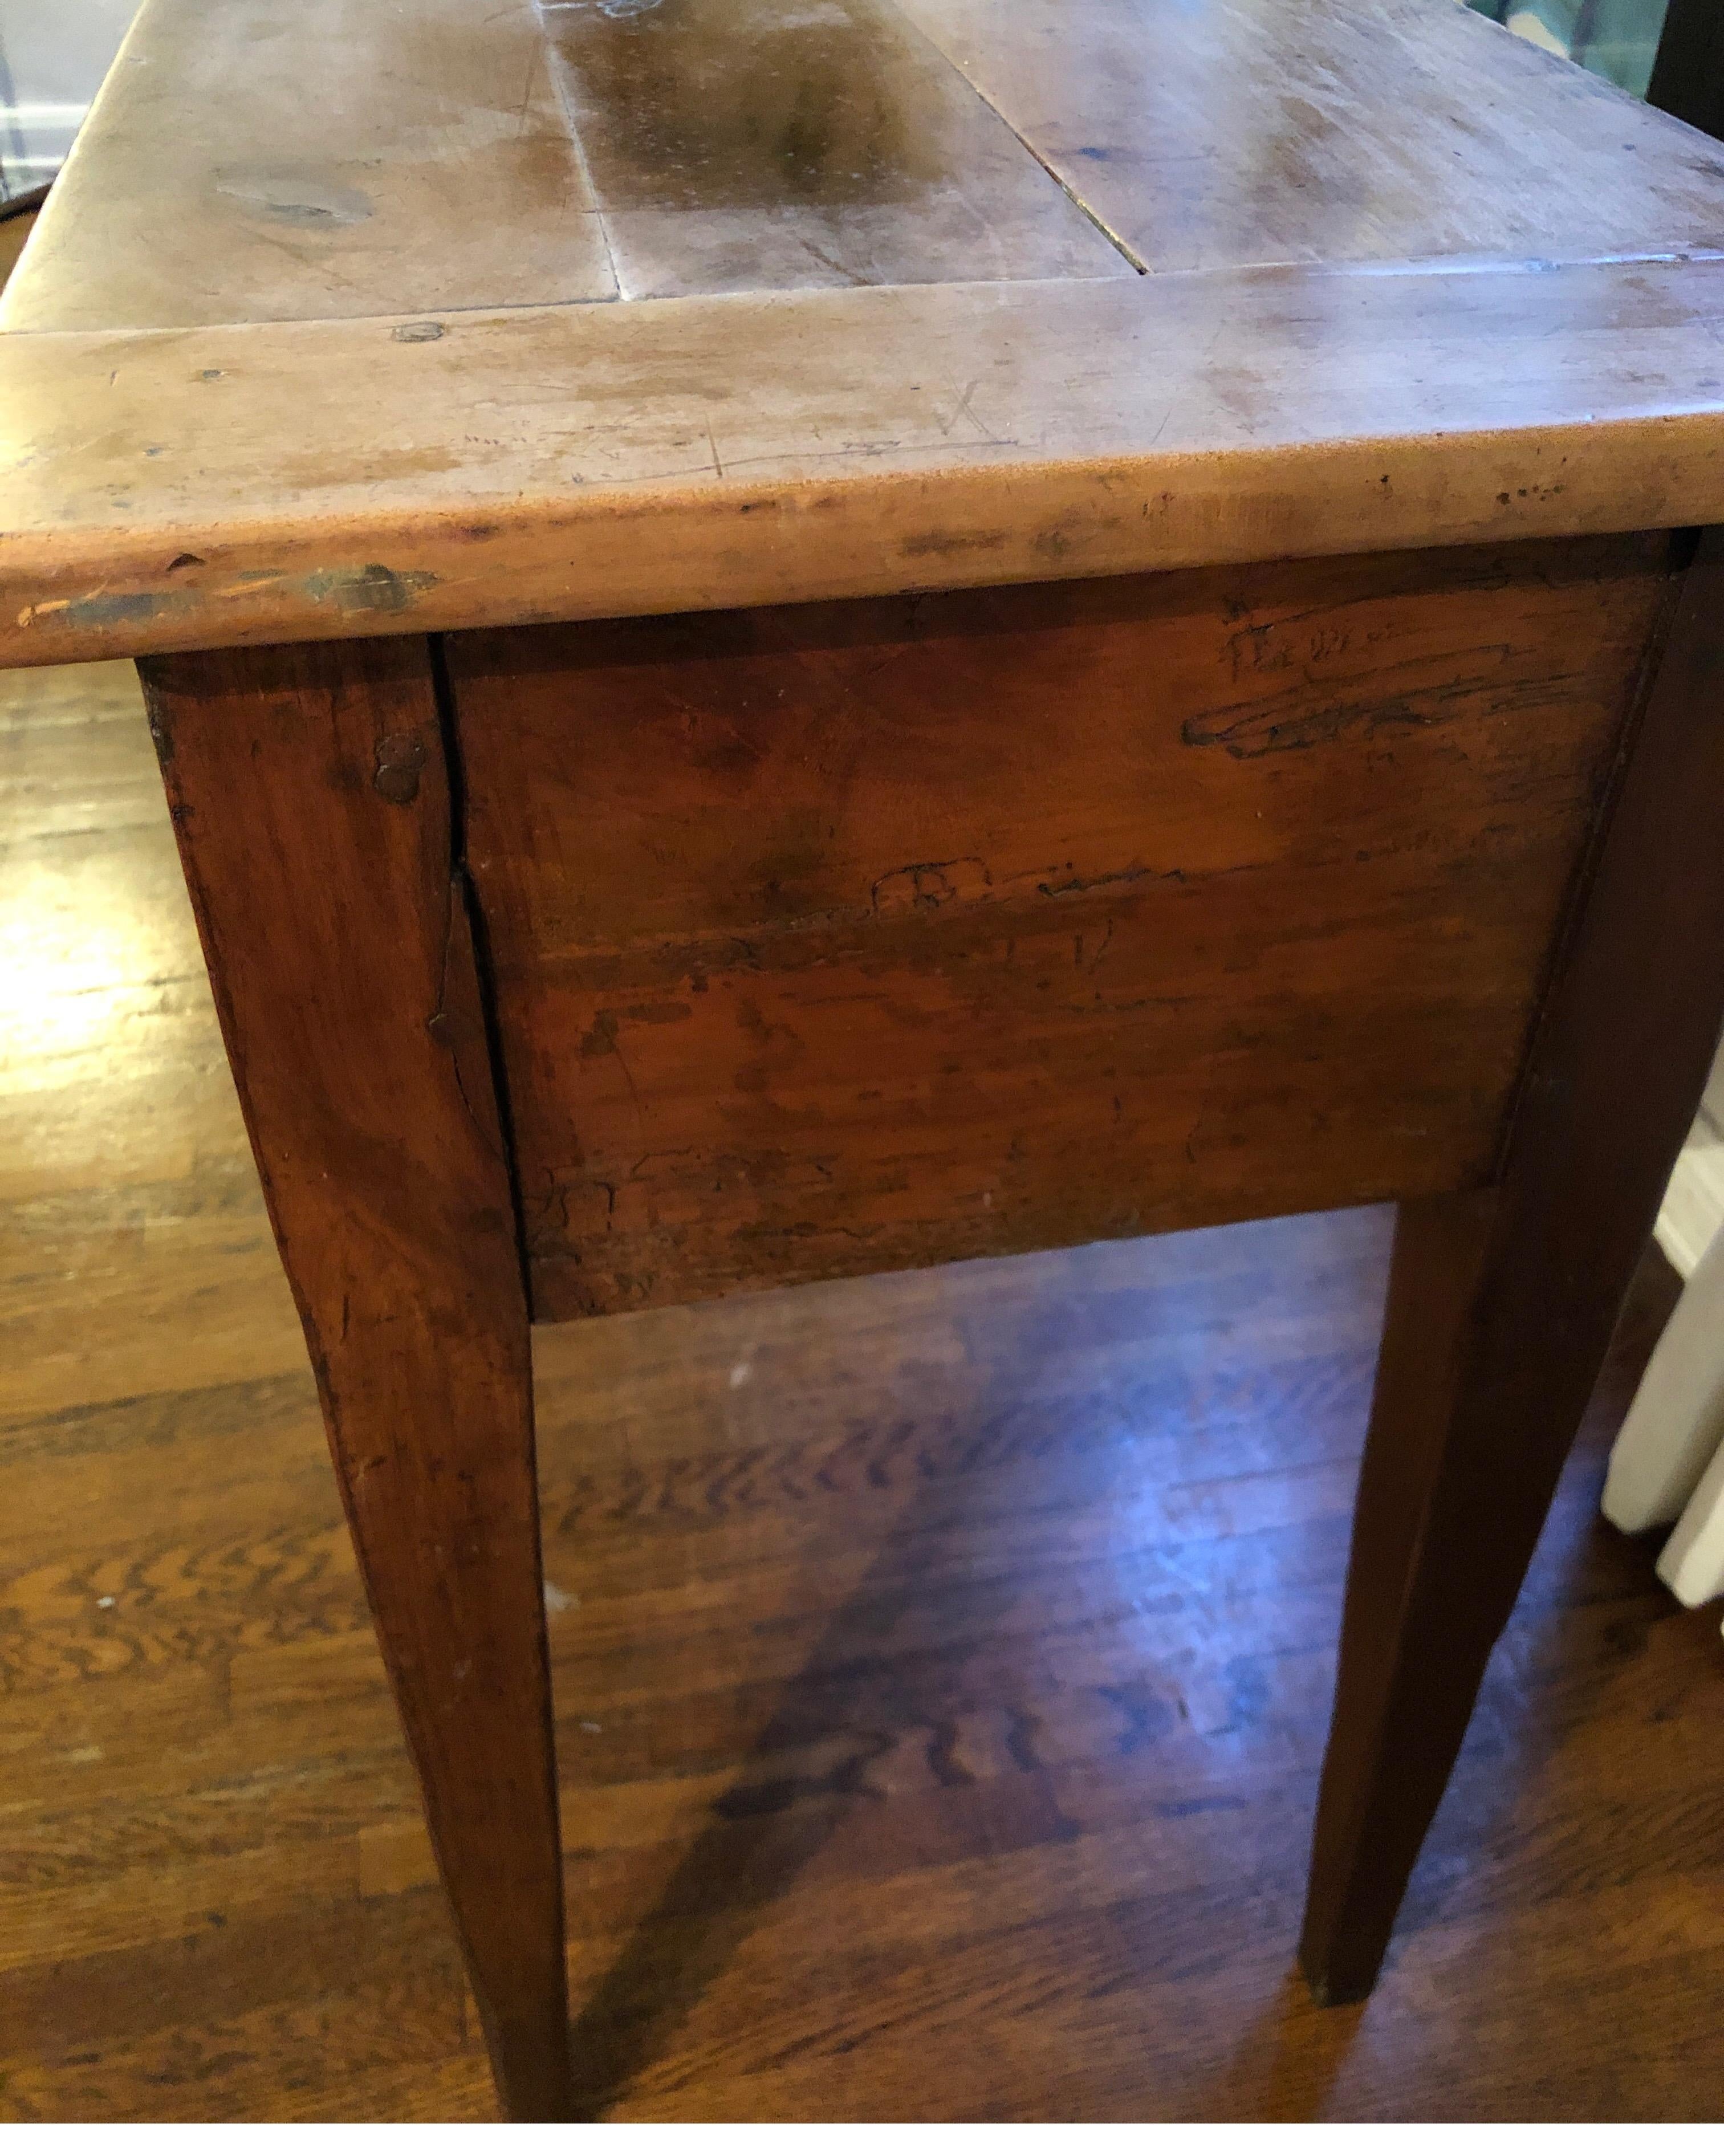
185	490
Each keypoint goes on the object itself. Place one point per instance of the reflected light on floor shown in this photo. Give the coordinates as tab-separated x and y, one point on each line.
72	964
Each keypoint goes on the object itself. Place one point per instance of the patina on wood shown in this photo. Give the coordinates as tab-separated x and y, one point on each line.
571	152
311	804
1501	1304
1416	284
836	939
1143	903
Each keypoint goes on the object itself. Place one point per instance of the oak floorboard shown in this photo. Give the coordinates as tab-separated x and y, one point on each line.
942	1664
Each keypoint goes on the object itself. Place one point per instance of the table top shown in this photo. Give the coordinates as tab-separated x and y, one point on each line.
356	317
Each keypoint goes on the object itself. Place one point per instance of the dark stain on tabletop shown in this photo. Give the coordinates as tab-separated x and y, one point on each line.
716	104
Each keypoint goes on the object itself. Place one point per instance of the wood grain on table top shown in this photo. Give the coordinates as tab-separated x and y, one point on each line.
318	335
351	157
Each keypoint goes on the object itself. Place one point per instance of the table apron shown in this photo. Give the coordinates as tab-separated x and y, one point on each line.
840	938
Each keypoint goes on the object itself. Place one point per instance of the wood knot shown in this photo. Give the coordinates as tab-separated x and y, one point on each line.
401	757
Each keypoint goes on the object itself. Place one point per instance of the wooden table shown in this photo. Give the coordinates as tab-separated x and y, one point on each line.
791	639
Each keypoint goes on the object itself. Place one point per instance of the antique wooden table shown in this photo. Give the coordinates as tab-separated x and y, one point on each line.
795	637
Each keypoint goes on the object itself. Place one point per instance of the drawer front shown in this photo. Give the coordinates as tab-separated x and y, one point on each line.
832	939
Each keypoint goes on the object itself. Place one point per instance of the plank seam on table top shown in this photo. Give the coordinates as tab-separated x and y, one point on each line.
578	149
1515	264
1377	55
943	60
1114	239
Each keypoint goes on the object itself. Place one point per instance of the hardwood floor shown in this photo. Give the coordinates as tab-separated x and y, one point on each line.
942	1662
14	231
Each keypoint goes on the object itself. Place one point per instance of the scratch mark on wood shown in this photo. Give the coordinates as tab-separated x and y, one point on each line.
931	883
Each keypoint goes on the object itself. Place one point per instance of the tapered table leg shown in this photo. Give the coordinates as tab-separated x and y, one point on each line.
1502	1303
312	805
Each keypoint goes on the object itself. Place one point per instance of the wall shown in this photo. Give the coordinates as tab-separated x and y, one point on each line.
53	55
